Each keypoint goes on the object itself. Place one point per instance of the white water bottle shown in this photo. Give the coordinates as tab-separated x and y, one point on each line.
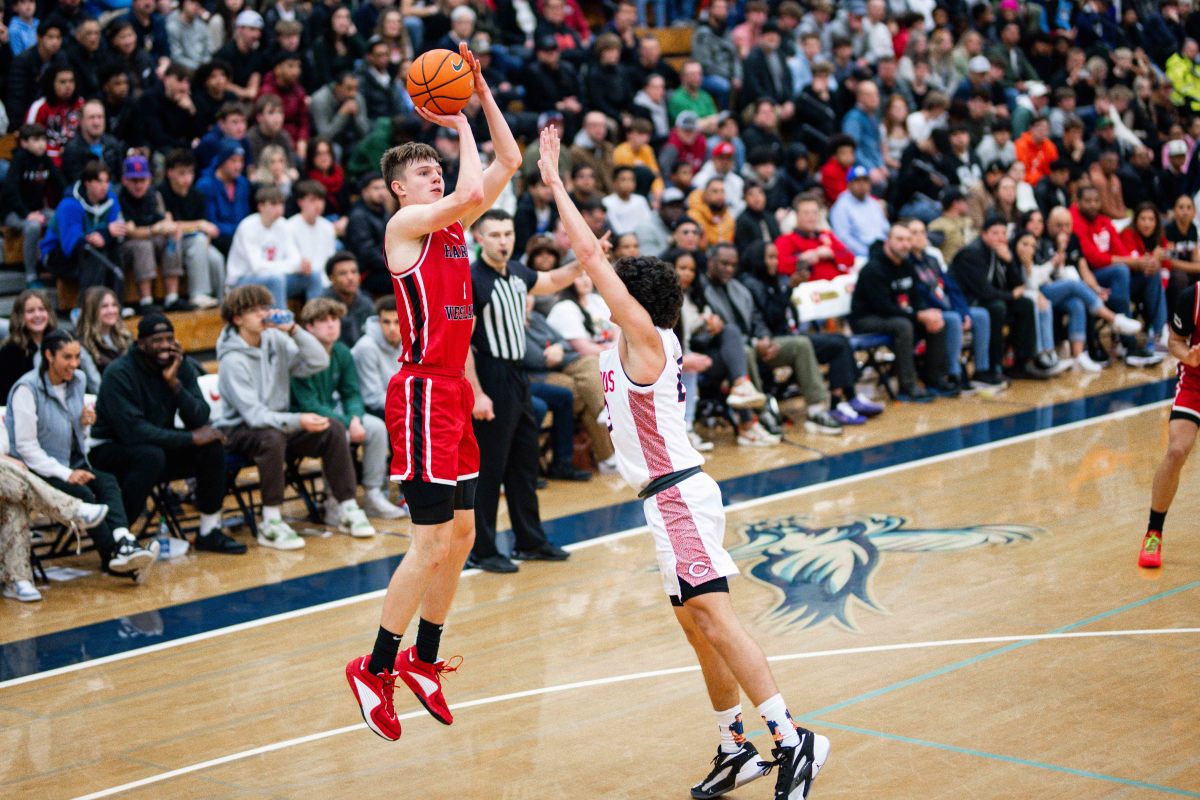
164	539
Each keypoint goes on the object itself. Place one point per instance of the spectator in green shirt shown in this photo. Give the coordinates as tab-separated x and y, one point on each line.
690	97
333	393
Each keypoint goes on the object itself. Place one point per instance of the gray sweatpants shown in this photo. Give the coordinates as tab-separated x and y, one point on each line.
205	266
32	233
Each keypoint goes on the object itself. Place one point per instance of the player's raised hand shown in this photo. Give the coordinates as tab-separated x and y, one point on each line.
473	63
452	121
1192	357
548	161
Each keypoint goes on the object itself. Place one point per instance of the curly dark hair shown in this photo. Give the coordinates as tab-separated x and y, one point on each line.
654	284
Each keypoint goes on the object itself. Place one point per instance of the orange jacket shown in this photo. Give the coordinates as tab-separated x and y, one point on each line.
1036	158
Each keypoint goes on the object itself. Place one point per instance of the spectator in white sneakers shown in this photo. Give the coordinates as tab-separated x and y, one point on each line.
48	421
258	353
22	496
333	393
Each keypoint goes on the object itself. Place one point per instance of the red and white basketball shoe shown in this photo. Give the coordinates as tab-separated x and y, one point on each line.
1151	553
425	680
374	696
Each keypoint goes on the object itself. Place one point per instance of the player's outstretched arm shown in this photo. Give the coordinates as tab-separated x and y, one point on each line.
417	220
507	153
628	313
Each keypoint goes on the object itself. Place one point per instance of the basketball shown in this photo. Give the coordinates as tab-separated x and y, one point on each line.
440	81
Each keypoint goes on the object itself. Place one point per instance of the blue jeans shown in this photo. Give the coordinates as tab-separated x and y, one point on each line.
548	397
981	326
1044	321
1148	290
691	393
1078	300
281	287
1115	278
719	88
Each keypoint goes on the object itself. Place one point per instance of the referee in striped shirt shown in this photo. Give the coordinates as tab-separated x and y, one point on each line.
504	423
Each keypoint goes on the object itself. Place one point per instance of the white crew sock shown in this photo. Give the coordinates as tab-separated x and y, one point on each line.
774	712
209	523
346	506
271	513
171	298
123	533
729	724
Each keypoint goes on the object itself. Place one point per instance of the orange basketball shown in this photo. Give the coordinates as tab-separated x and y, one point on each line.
440	81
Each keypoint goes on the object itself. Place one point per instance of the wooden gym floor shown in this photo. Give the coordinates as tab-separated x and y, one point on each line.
980	631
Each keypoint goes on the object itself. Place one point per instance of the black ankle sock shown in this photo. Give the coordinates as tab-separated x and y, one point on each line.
1157	519
387	644
429	638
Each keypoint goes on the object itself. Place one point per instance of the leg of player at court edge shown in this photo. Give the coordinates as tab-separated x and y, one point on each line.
439	594
1181	436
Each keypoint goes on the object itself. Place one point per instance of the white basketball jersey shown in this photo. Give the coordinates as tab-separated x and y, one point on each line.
648	430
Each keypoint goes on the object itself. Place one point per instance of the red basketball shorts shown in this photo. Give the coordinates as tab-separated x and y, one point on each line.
1187	401
428	415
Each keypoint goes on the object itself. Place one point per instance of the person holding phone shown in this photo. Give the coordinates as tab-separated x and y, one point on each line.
139	442
259	351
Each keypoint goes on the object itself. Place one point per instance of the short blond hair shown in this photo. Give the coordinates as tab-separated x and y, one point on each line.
320	308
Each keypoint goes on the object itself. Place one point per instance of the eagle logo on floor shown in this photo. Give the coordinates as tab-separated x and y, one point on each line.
824	572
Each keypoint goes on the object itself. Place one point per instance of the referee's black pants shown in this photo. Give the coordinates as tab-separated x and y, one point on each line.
508	456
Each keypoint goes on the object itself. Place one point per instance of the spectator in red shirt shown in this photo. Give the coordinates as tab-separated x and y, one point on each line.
284	81
834	171
1125	276
811	249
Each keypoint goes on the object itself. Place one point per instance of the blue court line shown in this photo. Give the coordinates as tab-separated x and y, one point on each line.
84	643
1008	648
1024	762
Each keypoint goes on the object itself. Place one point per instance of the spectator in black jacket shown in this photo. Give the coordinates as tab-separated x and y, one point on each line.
1053	190
86	57
166	114
32	188
886	300
137	438
756	223
91	142
991	278
27	69
375	81
605	86
536	212
766	73
551	84
364	235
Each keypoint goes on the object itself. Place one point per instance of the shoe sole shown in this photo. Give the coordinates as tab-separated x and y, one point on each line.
743	403
136	562
360	534
265	542
821	748
421	699
370	725
813	427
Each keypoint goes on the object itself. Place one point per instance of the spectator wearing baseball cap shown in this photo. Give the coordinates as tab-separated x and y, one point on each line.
721	165
954	227
138	440
654	233
147	234
226	192
242	53
857	218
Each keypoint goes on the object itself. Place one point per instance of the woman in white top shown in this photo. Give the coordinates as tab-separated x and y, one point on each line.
582	318
24	495
894	131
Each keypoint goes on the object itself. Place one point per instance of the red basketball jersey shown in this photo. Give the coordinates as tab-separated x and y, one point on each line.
433	301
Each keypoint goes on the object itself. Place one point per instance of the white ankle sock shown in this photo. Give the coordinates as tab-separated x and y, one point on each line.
171	298
729	725
774	712
347	506
123	533
209	523
271	513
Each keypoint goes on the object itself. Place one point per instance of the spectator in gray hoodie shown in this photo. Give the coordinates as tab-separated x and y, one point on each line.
258	352
377	354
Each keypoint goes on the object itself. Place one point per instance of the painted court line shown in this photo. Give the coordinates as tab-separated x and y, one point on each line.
637	676
601	540
1025	762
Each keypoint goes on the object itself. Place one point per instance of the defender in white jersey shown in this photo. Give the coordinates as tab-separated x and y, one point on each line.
645	397
650	438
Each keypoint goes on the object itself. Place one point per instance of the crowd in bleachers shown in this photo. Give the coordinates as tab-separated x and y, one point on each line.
1006	187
